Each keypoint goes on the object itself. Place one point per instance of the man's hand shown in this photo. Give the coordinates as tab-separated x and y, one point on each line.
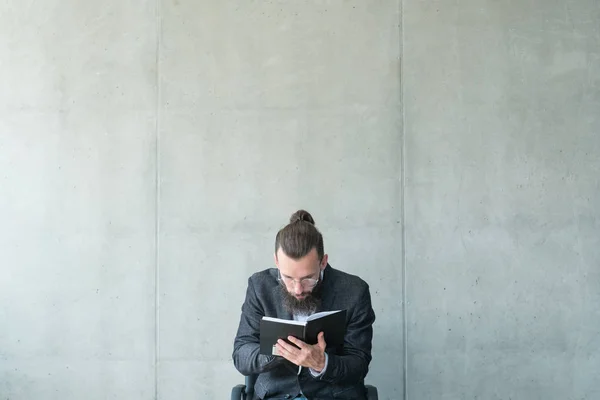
310	356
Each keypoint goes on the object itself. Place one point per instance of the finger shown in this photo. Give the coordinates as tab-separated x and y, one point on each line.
286	346
285	354
321	340
281	350
290	355
297	342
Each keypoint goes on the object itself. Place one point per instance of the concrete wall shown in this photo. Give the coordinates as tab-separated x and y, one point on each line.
149	151
502	118
77	199
267	107
148	156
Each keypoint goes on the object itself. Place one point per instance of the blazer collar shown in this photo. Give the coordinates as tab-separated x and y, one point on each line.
328	295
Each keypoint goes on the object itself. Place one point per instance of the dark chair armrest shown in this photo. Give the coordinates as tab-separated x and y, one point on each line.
238	392
371	392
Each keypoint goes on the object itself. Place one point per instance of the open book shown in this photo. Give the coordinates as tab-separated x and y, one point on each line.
331	323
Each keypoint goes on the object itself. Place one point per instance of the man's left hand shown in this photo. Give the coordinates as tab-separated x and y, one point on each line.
310	356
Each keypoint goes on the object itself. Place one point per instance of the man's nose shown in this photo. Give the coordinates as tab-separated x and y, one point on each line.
298	288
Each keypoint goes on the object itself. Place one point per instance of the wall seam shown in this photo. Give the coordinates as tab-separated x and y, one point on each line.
157	205
402	208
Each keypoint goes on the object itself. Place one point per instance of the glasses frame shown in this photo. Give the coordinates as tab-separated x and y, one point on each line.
292	281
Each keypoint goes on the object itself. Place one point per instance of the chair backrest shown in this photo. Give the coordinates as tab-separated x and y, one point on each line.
250	381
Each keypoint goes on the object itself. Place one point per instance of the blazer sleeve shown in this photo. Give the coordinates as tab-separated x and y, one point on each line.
353	364
246	357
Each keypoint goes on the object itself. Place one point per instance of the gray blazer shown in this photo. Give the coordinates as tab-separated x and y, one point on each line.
347	365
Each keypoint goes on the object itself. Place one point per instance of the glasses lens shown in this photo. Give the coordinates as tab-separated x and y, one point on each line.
308	283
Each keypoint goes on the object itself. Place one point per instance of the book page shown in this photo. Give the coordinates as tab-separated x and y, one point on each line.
322	314
284	321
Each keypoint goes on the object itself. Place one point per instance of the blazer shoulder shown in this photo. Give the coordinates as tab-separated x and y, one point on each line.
262	280
348	281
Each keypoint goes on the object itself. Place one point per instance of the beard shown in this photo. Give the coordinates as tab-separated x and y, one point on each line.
304	306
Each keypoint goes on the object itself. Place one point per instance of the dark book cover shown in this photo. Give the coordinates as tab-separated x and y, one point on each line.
331	323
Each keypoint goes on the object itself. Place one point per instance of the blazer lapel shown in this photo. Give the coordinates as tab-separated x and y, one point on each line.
328	292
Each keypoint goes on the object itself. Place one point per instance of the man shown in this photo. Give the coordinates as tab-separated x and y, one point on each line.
304	283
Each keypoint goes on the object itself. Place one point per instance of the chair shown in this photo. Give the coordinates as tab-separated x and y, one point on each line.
245	392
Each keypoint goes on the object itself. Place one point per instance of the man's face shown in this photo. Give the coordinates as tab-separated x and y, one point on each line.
301	280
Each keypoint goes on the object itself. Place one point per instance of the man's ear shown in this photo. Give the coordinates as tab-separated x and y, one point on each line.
324	262
275	259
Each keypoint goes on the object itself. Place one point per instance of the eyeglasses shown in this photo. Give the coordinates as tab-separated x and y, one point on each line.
306	283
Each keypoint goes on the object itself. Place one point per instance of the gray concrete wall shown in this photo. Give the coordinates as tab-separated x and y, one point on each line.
148	156
149	151
267	107
77	199
502	118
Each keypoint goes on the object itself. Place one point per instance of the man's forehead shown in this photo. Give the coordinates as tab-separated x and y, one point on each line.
302	268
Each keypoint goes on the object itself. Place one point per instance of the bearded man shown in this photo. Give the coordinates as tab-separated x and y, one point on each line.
304	283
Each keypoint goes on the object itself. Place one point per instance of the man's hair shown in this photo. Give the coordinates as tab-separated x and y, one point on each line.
300	236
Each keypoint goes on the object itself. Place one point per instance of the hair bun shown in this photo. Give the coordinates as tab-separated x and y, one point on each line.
302	215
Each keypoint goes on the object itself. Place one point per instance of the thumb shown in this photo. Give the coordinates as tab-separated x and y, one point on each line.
321	339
